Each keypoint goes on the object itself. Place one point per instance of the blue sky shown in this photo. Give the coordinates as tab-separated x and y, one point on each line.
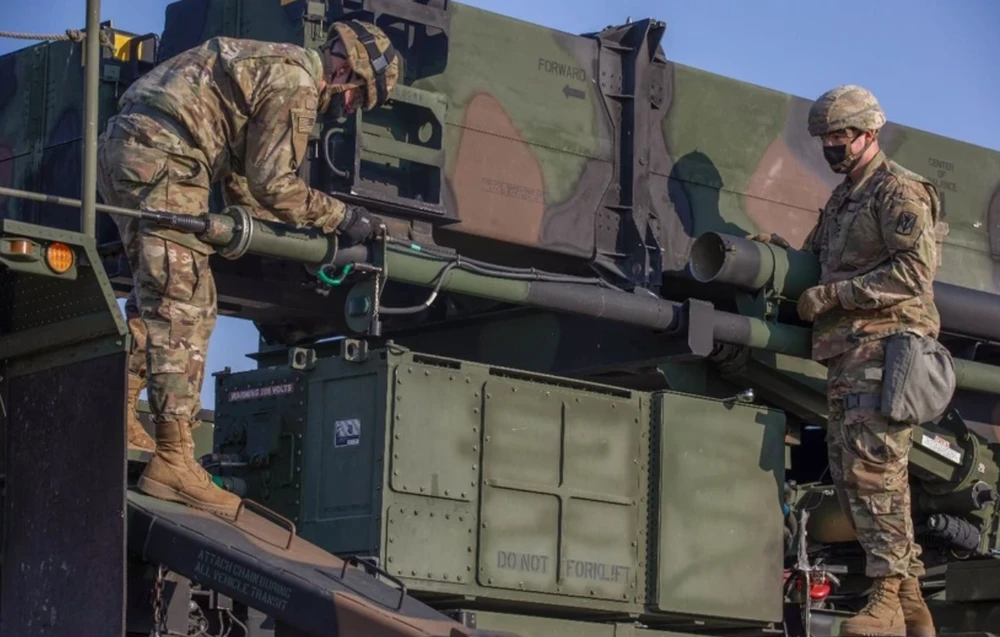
932	63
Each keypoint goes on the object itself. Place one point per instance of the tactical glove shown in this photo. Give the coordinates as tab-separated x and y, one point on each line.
774	238
816	300
357	225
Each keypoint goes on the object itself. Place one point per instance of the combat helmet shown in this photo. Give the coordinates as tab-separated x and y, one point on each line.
847	106
371	56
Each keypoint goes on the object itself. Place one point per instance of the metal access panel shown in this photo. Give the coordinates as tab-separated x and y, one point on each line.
562	490
973	581
64	528
720	545
62	348
460	478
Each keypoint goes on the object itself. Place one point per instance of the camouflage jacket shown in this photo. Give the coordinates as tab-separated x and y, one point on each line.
249	107
877	242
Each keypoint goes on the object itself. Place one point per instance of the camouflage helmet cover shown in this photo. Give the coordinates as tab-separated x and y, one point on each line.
371	56
847	106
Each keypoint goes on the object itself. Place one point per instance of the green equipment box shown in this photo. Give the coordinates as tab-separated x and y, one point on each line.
494	483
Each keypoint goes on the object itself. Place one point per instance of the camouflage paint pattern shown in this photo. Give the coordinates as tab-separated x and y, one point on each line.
868	462
530	148
877	251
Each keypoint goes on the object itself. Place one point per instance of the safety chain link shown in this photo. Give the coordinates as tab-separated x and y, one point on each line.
159	617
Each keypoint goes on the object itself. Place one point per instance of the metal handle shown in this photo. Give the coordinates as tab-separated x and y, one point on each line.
354	559
265	512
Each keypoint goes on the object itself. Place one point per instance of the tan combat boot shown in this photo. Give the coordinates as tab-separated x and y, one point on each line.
174	474
137	436
919	622
883	616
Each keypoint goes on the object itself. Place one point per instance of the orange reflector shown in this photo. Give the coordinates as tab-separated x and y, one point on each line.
59	257
20	246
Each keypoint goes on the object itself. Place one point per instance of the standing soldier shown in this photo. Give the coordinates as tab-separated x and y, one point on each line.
877	246
193	121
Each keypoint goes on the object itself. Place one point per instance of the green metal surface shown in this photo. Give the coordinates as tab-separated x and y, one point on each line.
91	96
409	266
436	435
266	424
463	478
721	475
467	479
561	500
796	341
35	303
47	119
528	626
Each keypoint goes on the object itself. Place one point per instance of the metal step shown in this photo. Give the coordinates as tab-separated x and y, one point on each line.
265	565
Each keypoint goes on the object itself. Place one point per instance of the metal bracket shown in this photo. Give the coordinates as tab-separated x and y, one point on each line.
302	358
694	337
625	60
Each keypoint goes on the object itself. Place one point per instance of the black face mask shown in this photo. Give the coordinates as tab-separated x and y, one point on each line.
337	109
835	155
839	159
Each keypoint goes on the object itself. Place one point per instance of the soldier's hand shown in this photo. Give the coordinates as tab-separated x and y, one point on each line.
357	225
816	300
771	237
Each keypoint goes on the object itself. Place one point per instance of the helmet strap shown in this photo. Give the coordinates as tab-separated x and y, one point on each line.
380	61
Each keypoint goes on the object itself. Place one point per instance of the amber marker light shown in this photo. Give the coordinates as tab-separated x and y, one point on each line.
21	246
59	257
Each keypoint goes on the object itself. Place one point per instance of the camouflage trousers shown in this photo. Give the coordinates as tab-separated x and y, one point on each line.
868	457
172	309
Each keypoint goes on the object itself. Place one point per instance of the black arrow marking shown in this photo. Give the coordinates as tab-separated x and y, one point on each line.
569	92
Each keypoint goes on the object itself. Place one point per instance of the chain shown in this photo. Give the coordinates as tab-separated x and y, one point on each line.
378	281
159	618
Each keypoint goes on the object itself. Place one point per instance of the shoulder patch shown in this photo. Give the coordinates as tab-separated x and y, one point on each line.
303	120
905	223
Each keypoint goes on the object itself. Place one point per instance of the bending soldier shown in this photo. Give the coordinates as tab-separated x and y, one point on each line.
190	123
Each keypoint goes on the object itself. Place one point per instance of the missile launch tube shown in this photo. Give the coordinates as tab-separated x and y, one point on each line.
235	232
751	266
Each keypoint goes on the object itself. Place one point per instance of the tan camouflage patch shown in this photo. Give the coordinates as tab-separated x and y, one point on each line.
847	106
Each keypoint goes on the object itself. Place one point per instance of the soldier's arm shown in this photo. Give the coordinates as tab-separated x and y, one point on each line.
907	224
277	137
809	244
236	192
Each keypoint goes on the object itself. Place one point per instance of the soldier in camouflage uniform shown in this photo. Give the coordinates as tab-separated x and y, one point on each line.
877	246
228	109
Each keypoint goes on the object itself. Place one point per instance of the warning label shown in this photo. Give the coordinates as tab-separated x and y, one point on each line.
261	392
941	447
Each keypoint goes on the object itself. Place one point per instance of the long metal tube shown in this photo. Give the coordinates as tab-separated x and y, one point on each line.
751	266
92	53
426	266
